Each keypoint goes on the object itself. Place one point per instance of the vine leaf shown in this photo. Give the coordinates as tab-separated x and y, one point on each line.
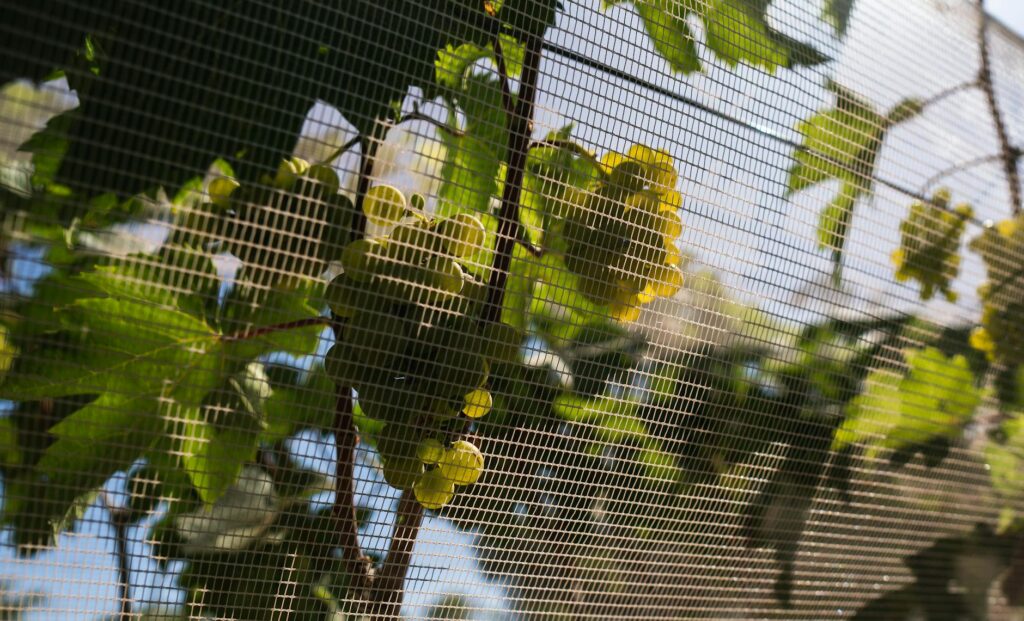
920	411
737	32
470	170
453	63
837	13
842	143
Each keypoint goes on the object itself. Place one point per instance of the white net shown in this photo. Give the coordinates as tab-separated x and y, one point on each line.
511	309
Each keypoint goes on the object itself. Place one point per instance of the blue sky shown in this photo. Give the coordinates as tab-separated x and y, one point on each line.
1010	12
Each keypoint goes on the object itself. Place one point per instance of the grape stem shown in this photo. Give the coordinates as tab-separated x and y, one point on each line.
341	150
520	128
416	115
1008	153
251	333
963	166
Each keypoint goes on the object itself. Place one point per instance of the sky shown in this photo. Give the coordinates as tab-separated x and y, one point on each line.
1010	12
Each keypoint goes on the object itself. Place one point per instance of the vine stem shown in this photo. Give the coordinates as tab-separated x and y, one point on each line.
388	585
952	90
960	167
520	128
1008	153
343	511
119	522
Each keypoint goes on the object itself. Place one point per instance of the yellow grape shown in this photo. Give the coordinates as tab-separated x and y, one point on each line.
430	451
463	234
478	403
462	463
671	226
384	205
433	490
666	281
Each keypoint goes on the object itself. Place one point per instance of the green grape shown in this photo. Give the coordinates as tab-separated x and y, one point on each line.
361	260
455	372
397	447
462	463
402	473
433	490
478	403
430	451
463	234
382	337
325	176
384	205
289	171
415	240
666	281
418	203
220	191
393	400
347	297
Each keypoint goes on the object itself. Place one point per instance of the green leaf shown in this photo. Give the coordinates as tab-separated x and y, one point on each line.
99	439
247	307
470	170
10	452
110	345
931	402
48	147
212	456
454	63
304	405
670	35
842	143
737	31
1005	458
837	13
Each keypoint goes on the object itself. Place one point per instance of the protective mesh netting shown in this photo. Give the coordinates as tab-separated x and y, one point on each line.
510	309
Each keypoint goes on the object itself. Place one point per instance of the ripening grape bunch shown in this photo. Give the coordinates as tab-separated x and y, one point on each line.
1001	333
413	345
288	226
930	243
620	236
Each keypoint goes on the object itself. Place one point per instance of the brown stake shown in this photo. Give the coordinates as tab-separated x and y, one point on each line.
520	127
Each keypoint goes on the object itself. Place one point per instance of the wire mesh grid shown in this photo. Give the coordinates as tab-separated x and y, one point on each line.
511	309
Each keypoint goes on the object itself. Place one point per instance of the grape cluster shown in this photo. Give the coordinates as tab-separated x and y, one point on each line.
288	226
620	238
929	243
413	347
1001	334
